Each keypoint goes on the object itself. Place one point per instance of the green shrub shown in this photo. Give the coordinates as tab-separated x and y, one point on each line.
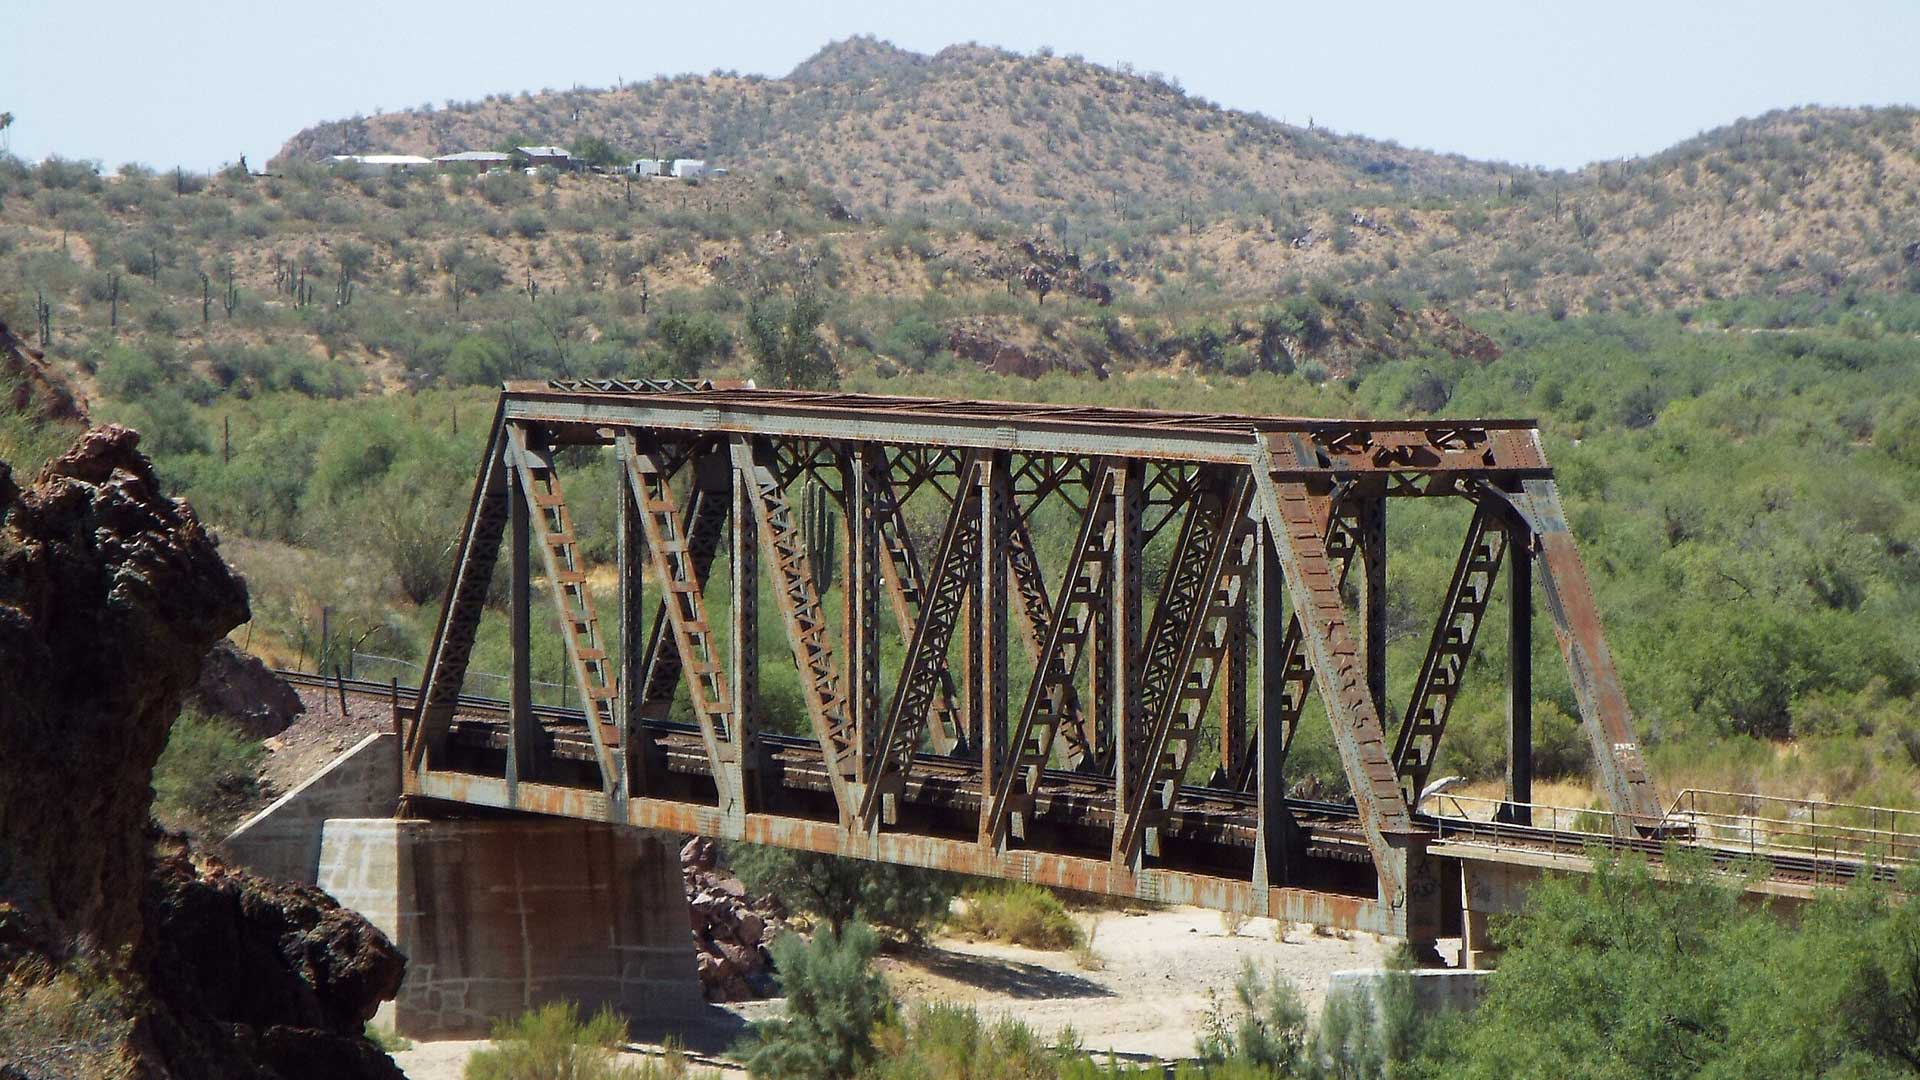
1265	1024
952	1042
207	774
553	1043
905	899
1022	914
834	1003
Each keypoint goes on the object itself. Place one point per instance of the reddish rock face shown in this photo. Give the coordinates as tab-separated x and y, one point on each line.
111	593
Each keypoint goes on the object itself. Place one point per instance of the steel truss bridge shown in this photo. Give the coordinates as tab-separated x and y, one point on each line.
1266	541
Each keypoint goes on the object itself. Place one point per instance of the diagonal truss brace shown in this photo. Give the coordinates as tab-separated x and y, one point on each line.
1035	621
1461	613
1185	647
920	681
565	569
1050	694
703	522
906	594
682	584
1298	519
1596	684
806	619
1296	673
466	598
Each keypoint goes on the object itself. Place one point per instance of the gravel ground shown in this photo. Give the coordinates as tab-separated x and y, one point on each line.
319	735
1145	1000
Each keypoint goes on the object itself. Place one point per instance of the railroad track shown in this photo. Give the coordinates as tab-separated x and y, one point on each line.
1783	866
1205	799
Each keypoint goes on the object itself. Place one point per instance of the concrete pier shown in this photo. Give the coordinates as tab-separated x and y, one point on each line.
497	917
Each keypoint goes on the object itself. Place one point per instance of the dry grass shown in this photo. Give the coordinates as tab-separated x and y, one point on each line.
1018	914
69	1022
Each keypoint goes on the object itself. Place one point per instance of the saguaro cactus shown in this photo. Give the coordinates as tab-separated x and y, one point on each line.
817	529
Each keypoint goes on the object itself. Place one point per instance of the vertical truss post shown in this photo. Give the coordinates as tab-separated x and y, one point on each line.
522	730
743	642
1119	696
1519	676
573	602
806	619
1275	646
1369	513
1596	683
1233	706
987	642
636	648
858	468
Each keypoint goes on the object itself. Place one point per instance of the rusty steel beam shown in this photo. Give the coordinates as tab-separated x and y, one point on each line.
1086	875
958	556
986	645
566	574
1299	522
677	575
806	620
1321	450
1049	696
466	598
1596	684
1461	611
861	467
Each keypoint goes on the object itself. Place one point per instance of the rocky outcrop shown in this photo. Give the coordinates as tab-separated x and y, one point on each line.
256	977
730	931
239	687
111	594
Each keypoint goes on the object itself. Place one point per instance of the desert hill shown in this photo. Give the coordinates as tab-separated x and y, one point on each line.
973	128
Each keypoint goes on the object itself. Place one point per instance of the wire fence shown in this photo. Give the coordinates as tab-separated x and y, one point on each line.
383	669
1726	823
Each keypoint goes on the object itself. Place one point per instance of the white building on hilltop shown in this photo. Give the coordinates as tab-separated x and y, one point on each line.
384	162
479	159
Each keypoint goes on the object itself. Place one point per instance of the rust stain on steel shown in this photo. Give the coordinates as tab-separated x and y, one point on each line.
1098	876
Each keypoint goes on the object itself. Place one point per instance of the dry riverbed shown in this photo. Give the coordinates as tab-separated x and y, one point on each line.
1144	997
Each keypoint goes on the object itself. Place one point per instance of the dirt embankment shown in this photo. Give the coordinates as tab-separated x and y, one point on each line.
111	593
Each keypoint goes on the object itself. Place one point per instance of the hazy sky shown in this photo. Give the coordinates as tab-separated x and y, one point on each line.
198	82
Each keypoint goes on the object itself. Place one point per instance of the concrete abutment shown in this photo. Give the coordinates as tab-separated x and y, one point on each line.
499	916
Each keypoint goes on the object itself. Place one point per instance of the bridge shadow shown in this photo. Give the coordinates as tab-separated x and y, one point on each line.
1008	977
708	1030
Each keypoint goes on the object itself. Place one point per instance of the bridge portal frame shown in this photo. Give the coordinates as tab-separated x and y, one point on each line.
1275	525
